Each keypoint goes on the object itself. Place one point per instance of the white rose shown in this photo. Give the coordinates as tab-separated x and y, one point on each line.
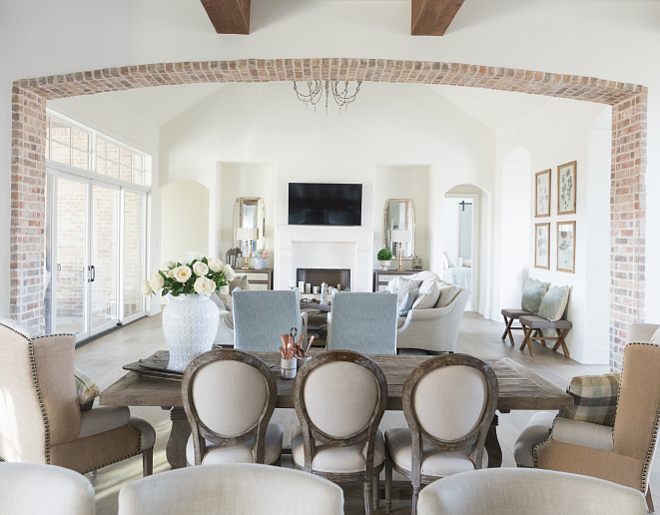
200	269
204	286
229	273
146	288
168	265
215	264
224	290
182	273
197	255
186	259
170	274
157	282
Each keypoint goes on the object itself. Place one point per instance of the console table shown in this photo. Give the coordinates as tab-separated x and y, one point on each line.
382	277
258	279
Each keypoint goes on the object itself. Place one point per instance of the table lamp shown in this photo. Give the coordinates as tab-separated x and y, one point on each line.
248	236
400	237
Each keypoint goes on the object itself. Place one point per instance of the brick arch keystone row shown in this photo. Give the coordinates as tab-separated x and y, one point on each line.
629	140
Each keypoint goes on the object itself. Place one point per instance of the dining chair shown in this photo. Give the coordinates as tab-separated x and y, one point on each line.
261	316
232	489
340	397
363	322
41	421
229	397
448	402
509	491
28	489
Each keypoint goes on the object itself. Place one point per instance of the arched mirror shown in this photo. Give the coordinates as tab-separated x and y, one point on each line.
399	226
250	213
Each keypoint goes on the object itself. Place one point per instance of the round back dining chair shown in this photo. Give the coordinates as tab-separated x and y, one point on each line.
340	397
448	402
523	491
229	397
232	489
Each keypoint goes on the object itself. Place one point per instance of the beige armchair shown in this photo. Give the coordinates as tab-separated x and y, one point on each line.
27	489
525	491
232	489
40	417
621	454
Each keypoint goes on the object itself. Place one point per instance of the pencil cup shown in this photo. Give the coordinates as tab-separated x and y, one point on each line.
288	368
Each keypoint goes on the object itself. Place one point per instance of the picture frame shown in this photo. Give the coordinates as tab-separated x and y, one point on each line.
543	193
542	246
566	247
566	188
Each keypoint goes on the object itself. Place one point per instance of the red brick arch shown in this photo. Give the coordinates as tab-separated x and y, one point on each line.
629	102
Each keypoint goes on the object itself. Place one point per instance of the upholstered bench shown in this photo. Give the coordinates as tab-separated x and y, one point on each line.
532	327
511	315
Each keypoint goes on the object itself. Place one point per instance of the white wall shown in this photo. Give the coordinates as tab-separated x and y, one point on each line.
555	135
41	37
111	117
432	143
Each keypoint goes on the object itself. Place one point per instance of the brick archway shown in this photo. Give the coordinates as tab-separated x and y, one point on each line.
628	199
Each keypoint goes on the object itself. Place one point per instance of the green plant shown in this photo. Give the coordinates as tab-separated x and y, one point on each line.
384	254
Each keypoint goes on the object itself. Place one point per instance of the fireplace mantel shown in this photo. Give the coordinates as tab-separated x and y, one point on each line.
314	246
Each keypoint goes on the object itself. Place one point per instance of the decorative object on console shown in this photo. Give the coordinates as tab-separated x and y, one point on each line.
232	255
384	258
417	264
542	194
542	246
400	237
315	89
190	319
261	260
248	237
566	247
566	185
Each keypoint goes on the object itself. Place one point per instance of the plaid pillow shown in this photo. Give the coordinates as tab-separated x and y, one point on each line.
594	399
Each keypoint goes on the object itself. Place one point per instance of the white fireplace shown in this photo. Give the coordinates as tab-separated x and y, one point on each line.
313	246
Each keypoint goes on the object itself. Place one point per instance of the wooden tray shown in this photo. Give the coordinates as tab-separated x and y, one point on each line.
155	366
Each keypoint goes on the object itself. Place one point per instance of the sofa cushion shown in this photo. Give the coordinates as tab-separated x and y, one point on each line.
447	295
86	389
429	292
407	302
554	303
594	399
533	292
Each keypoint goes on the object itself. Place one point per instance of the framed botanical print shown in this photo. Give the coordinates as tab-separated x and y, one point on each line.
566	182
542	194
566	247
542	246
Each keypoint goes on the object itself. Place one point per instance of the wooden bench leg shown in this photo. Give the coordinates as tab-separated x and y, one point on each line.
560	341
527	340
508	322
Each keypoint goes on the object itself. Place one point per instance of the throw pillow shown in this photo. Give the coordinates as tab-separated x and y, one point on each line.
594	399
447	295
407	302
429	292
448	260
239	282
86	388
533	292
401	286
554	303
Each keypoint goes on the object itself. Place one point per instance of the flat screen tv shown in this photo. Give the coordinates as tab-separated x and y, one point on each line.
325	204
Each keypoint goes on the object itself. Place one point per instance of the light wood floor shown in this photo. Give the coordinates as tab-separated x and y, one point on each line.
103	360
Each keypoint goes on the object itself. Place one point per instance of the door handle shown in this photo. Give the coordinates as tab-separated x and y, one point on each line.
93	273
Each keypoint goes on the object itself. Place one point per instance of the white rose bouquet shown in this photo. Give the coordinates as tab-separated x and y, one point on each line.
192	273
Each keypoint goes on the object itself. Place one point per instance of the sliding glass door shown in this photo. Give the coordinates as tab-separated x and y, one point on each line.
134	256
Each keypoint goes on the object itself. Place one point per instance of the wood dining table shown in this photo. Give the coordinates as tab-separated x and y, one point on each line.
519	389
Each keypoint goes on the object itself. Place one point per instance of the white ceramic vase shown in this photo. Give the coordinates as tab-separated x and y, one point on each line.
190	323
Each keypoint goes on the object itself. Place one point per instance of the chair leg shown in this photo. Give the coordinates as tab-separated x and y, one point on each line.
415	496
649	500
388	485
376	490
368	496
148	462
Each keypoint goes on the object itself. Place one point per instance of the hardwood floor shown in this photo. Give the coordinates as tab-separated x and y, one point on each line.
103	360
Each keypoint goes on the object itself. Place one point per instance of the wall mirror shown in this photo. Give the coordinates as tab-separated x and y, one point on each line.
250	213
399	226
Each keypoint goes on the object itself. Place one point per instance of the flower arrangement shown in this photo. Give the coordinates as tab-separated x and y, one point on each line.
263	253
192	273
384	254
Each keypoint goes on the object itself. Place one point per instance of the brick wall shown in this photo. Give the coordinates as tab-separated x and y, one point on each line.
628	197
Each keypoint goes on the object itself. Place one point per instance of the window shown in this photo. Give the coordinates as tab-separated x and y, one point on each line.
83	148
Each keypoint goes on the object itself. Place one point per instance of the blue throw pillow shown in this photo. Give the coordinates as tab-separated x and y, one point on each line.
407	302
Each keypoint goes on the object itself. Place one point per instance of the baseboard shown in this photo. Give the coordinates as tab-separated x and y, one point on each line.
591	356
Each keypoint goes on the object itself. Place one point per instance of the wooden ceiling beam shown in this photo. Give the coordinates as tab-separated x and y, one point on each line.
433	17
229	16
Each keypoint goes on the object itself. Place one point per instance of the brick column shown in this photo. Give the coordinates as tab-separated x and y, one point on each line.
627	221
28	184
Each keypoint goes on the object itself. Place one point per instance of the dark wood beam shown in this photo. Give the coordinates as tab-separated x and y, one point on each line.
433	17
229	16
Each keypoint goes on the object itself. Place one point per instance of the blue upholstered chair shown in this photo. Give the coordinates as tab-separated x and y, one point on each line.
261	316
363	322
